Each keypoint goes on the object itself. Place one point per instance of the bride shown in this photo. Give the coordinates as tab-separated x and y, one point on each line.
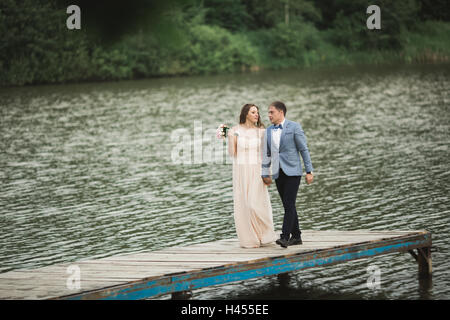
252	207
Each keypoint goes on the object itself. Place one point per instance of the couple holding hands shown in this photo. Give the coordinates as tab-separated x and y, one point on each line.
261	156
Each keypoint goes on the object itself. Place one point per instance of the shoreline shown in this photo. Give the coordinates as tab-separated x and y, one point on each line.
436	60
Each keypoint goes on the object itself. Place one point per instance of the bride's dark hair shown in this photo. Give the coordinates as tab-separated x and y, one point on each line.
244	111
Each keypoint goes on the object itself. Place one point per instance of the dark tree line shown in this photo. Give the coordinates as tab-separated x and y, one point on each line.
144	38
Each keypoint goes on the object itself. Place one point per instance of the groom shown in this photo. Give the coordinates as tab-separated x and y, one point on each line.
283	141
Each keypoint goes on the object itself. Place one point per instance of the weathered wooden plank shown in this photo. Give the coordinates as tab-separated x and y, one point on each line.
278	251
15	294
363	231
143	262
57	290
37	290
100	274
194	258
133	264
41	283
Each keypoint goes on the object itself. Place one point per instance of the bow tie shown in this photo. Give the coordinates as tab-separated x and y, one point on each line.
278	127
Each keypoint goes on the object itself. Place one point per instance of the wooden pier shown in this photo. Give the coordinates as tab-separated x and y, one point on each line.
185	268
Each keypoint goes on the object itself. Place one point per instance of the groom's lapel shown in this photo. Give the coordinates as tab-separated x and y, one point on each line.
283	132
269	137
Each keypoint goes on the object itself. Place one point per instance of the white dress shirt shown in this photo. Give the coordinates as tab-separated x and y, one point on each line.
276	135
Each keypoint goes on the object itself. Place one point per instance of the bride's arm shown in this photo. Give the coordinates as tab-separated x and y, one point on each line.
266	156
232	142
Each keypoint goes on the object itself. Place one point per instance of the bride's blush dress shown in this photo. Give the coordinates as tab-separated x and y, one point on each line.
252	207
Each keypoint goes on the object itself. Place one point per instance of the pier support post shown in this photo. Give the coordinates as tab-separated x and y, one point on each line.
283	278
423	258
182	295
425	266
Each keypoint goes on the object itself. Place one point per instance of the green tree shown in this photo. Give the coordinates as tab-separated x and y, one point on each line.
228	14
36	46
269	13
349	25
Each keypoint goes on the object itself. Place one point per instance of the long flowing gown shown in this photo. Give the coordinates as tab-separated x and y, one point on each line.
252	207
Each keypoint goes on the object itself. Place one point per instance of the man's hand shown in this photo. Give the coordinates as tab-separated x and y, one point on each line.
309	178
267	181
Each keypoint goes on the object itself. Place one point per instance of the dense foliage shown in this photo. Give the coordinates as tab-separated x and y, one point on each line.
160	38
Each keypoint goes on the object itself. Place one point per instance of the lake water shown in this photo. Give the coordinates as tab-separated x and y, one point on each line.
99	169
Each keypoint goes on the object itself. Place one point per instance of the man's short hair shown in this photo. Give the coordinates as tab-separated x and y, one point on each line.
279	106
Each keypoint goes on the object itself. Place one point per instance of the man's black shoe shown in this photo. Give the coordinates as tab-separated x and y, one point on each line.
282	242
294	241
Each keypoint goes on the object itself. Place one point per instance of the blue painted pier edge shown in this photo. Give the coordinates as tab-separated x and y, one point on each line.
206	277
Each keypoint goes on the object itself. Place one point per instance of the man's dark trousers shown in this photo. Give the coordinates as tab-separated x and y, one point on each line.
287	187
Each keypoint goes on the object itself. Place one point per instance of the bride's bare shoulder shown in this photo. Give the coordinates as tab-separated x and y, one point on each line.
234	128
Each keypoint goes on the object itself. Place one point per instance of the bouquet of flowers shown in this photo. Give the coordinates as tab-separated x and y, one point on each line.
222	131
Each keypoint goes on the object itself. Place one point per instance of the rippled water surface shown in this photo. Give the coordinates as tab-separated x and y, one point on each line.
93	170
